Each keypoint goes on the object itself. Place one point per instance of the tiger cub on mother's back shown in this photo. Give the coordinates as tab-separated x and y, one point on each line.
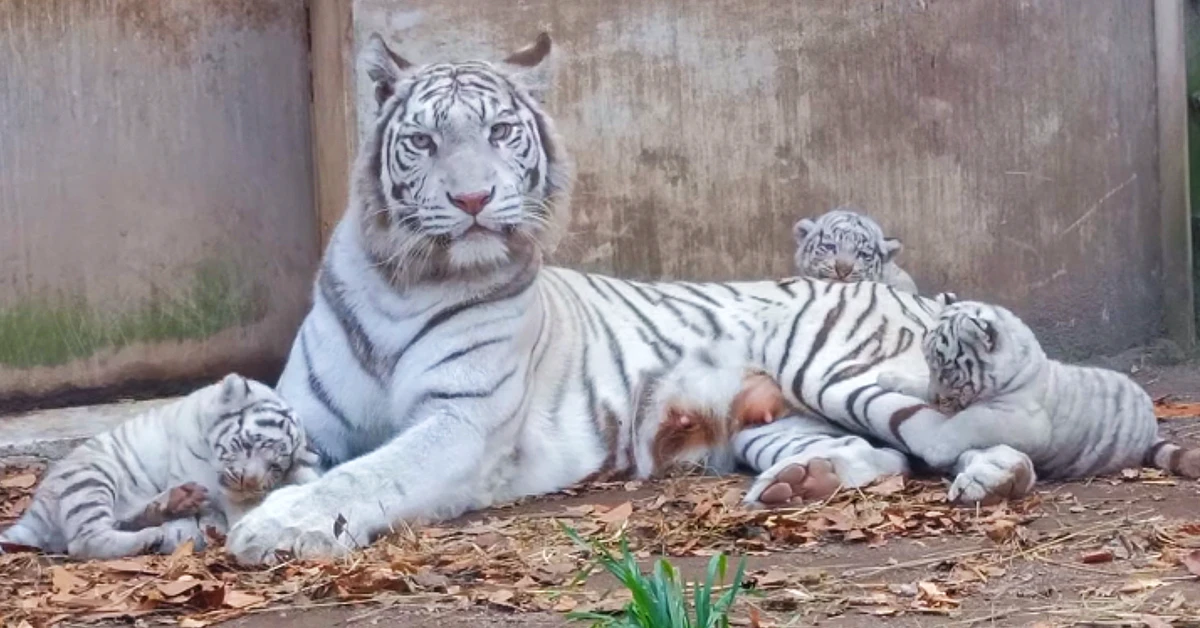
165	476
1072	421
847	246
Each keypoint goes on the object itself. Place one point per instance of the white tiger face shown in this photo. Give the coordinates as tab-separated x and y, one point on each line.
842	245
976	351
465	172
255	438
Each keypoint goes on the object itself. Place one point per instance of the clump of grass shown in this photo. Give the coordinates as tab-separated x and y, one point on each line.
660	599
54	332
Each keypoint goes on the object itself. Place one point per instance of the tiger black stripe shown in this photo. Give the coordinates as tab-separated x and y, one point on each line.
648	324
86	483
360	343
318	389
83	506
450	357
513	288
471	394
831	319
791	338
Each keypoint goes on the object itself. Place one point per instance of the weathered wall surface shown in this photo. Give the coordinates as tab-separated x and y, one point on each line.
1012	145
155	189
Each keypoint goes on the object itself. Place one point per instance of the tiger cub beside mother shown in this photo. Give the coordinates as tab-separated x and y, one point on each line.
444	367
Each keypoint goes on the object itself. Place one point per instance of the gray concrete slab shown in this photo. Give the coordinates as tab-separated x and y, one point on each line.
51	434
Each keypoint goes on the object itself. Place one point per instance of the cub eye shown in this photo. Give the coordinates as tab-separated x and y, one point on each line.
500	131
421	141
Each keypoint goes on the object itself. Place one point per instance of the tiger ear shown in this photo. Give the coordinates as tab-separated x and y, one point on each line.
532	67
234	387
891	248
802	228
989	334
384	67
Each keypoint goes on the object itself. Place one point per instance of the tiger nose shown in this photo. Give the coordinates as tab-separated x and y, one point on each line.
842	268
472	203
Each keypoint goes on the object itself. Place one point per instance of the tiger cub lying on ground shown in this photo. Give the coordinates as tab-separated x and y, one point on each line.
1072	421
165	476
688	413
845	245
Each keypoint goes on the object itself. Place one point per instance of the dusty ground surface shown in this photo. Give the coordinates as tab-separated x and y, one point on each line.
1112	551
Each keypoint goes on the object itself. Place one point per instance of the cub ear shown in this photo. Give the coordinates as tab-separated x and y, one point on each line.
990	336
384	67
532	66
234	388
946	298
891	248
802	228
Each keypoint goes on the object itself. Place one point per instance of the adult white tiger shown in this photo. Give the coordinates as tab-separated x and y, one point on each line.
443	368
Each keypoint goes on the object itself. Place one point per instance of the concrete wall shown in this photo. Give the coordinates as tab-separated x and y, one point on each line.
1012	145
155	190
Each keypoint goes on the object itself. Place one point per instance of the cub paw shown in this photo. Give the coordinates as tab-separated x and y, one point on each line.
185	500
993	475
178	532
890	381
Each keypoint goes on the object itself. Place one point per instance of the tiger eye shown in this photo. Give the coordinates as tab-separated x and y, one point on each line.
500	131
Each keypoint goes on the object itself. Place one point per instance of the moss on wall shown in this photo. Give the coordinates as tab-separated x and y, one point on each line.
50	332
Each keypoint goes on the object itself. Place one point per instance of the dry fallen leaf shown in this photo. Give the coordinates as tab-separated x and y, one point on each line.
1153	621
889	485
178	587
1191	561
64	581
240	599
617	514
25	480
1137	586
1001	531
1097	556
1166	409
127	566
191	622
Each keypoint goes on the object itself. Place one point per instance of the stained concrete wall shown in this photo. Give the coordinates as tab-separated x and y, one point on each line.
155	190
1011	145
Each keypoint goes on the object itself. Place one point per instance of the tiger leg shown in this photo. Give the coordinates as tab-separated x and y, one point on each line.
102	541
905	384
803	457
185	500
987	476
426	472
1174	459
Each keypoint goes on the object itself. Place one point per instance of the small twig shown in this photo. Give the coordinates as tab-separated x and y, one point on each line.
920	562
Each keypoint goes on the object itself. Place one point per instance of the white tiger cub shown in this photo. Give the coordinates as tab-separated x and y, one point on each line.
847	245
164	476
1072	421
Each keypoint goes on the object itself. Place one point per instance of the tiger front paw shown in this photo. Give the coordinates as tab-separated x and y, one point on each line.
185	500
296	521
993	475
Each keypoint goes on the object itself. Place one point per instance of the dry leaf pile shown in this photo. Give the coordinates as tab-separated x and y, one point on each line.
517	562
516	558
1168	408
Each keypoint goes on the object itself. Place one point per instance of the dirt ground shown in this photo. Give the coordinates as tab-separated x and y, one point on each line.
1110	551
